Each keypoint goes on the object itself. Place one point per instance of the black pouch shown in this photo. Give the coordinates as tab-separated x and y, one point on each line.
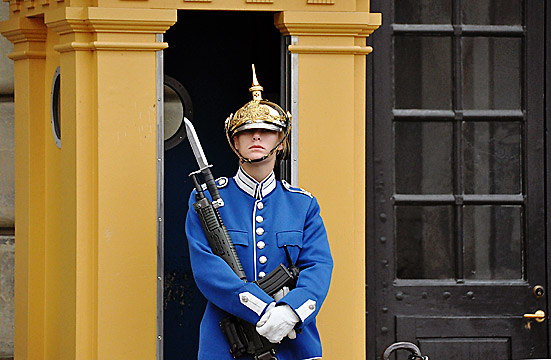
245	341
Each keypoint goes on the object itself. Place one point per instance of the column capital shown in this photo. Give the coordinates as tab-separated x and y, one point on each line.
21	29
310	23
28	36
120	20
79	22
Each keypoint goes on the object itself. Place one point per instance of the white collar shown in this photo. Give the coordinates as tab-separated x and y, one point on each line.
256	189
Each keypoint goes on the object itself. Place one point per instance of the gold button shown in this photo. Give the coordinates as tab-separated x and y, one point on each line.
260	206
263	259
261	245
259	219
259	231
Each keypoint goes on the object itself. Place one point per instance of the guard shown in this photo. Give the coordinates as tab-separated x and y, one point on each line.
270	223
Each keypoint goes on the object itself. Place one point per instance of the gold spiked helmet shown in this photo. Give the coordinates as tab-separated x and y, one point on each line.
258	114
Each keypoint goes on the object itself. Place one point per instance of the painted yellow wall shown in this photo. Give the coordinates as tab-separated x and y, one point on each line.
86	213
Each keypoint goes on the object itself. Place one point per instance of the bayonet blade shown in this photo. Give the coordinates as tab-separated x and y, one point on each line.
204	166
196	145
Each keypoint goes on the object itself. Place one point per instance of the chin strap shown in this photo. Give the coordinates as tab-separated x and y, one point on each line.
247	160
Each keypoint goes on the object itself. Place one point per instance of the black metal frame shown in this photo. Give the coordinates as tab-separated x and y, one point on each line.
371	305
283	171
548	157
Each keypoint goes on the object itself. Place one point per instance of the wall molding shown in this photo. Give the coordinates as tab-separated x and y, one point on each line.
344	50
113	46
327	23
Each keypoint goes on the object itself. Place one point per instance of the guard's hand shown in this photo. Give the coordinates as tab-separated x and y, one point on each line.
266	315
279	322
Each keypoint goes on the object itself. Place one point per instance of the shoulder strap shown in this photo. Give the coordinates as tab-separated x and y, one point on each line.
293	189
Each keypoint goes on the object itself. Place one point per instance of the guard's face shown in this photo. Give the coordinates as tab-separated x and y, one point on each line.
256	143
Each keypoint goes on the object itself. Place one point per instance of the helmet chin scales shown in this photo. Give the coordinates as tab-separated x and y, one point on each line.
258	114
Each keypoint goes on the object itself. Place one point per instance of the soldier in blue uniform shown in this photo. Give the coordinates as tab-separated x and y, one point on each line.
262	216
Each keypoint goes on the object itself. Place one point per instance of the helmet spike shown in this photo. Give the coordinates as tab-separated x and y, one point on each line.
256	89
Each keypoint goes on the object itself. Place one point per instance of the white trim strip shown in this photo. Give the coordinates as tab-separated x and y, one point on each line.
160	197
254	240
294	112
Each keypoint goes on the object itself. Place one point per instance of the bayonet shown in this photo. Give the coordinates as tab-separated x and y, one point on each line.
196	145
204	167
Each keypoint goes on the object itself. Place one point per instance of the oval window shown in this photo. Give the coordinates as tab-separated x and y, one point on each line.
55	108
177	104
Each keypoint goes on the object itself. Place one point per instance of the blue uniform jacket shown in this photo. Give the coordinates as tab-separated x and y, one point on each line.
261	218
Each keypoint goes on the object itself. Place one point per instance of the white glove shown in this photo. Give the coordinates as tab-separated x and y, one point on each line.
278	296
277	322
266	315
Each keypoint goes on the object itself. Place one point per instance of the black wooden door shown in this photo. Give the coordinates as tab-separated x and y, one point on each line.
456	224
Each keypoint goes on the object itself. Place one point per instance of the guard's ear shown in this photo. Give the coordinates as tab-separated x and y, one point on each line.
283	148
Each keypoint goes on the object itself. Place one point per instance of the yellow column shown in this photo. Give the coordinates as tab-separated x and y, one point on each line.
331	151
29	36
101	266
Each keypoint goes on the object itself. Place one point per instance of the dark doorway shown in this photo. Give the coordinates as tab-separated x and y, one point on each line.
457	239
210	55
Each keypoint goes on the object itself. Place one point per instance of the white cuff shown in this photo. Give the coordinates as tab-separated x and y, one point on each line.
306	309
252	302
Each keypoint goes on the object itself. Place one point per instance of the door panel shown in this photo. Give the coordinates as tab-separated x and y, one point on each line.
445	338
489	338
456	142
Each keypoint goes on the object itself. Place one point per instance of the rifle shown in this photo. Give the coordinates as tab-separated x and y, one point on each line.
241	335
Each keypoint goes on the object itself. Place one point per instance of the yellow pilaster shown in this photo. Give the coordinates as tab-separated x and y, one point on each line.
109	114
86	272
331	151
29	36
